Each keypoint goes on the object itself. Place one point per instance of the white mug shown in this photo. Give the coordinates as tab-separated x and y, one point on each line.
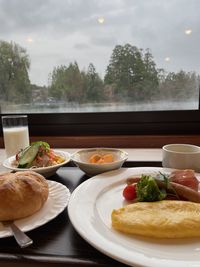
181	156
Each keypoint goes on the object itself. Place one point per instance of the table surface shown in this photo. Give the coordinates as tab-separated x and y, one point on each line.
57	243
134	154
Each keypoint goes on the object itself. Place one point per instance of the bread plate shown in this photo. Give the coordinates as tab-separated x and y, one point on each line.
57	201
9	163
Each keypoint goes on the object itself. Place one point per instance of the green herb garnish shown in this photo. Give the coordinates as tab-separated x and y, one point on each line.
148	190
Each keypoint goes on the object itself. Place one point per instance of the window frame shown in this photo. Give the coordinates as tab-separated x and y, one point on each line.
114	123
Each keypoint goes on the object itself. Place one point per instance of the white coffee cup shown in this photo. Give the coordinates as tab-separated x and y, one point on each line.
181	156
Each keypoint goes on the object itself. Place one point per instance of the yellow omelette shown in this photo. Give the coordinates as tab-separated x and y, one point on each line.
160	219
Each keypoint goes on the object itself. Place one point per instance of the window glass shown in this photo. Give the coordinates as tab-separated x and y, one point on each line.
92	56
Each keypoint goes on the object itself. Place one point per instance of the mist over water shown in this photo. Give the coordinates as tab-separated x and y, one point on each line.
62	107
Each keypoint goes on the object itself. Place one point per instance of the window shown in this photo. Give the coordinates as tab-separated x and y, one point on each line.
101	67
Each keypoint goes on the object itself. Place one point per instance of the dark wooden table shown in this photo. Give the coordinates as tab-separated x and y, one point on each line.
57	243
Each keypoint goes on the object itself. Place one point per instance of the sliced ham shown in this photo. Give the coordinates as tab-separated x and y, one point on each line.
185	177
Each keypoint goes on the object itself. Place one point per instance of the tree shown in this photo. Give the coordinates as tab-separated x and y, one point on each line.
132	72
67	83
72	85
180	86
58	83
94	85
14	79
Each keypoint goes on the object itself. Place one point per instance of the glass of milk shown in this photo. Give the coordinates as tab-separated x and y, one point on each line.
15	133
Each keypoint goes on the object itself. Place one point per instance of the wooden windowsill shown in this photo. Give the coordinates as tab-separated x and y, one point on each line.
120	141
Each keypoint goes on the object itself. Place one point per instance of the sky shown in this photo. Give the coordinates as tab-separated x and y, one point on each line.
57	32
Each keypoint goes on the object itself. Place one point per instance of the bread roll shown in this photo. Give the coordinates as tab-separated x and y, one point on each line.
21	194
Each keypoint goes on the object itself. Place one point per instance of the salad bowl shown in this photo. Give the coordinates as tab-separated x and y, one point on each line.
10	163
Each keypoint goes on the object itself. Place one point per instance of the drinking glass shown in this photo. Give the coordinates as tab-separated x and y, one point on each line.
15	133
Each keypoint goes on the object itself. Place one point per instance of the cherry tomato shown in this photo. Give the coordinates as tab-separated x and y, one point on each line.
129	192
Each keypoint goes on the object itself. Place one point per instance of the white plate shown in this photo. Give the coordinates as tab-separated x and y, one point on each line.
57	201
46	171
90	210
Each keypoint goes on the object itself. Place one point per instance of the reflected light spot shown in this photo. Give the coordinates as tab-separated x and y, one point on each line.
29	40
101	20
167	59
188	31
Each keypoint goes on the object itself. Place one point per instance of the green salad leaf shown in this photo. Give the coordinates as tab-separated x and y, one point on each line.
41	143
148	190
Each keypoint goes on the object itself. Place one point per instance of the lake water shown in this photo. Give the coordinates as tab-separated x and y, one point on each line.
61	107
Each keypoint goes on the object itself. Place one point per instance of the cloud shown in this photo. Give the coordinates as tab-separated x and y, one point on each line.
81	46
104	41
64	30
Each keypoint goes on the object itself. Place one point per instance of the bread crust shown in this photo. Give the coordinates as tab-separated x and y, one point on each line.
21	194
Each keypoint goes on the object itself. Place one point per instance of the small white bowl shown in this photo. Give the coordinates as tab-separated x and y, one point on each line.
81	159
45	171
